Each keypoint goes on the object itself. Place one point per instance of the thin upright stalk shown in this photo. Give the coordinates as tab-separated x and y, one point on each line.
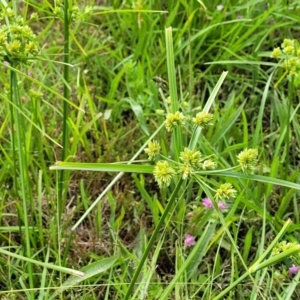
291	94
65	136
177	134
13	141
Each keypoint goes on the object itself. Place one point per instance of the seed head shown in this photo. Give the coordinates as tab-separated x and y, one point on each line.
248	159
173	120
203	119
208	164
276	53
191	158
14	47
283	246
287	43
153	149
17	41
163	173
31	48
225	191
290	50
295	258
3	39
186	171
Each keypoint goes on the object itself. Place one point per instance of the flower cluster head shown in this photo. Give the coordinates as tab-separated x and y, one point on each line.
76	12
190	162
208	164
192	158
174	120
186	171
207	203
248	159
287	48
203	119
276	53
289	52
17	41
284	246
225	191
163	173
153	149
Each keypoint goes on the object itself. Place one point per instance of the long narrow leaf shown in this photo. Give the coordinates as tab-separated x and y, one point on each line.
102	167
89	271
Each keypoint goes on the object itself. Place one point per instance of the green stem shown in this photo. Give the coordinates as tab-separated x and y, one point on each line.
176	135
287	136
13	138
171	70
65	106
152	239
18	122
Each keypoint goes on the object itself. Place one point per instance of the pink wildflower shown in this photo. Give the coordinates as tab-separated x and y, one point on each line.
207	203
222	205
189	240
294	269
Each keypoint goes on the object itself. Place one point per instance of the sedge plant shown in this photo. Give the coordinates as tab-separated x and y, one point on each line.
183	166
18	47
289	56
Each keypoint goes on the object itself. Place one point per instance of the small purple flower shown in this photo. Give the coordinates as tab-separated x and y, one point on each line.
294	269
207	203
189	240
222	205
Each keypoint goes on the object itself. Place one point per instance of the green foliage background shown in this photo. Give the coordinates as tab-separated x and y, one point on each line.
91	89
